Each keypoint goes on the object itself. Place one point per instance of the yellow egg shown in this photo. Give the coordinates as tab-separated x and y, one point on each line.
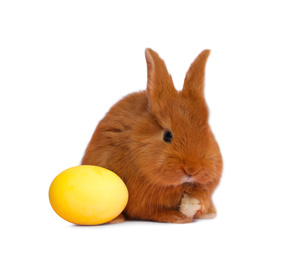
88	195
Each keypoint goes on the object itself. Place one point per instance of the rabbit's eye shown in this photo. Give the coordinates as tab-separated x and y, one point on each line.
168	136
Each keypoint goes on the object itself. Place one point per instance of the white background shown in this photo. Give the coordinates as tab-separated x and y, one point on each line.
63	64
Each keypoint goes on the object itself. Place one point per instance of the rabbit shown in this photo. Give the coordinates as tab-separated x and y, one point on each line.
160	143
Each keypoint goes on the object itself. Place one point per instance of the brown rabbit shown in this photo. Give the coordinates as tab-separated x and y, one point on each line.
160	143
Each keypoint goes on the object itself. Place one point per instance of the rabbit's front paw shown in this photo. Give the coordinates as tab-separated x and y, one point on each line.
189	206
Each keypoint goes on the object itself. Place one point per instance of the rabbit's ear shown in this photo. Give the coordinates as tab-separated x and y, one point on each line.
159	84
194	79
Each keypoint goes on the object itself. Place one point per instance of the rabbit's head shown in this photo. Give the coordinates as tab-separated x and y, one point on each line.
175	142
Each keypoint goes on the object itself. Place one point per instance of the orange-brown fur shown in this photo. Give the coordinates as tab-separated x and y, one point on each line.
129	141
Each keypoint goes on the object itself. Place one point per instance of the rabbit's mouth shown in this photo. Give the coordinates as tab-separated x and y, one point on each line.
190	174
200	177
187	179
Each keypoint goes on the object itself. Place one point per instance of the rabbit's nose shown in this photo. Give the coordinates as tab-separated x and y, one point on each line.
190	171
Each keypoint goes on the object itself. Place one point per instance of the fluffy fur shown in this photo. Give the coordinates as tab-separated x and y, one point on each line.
165	180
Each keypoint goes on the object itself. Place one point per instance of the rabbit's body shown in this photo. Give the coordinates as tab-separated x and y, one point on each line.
159	142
